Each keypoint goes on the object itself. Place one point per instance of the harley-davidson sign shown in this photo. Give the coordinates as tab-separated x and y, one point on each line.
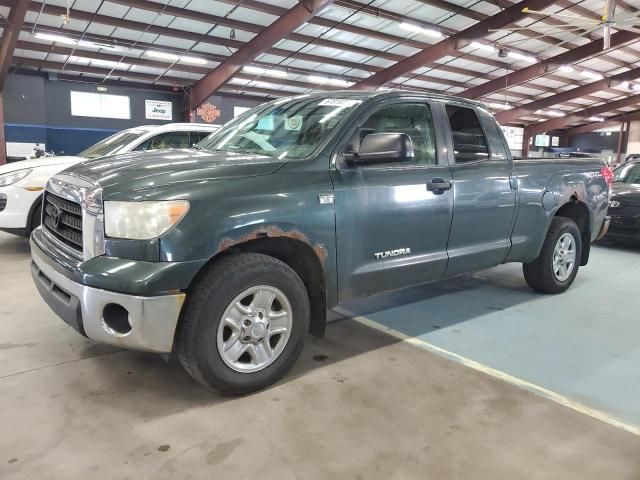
208	112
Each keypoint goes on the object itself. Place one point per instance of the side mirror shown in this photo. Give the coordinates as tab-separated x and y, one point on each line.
382	148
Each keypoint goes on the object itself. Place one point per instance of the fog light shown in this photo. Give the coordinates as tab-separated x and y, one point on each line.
116	319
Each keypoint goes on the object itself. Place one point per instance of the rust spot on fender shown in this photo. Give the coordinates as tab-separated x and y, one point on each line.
273	232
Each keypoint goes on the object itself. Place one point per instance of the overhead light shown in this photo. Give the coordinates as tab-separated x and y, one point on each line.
555	113
483	46
172	57
501	106
522	56
590	74
107	63
162	55
52	37
596	119
418	29
264	71
193	60
329	81
566	68
56	38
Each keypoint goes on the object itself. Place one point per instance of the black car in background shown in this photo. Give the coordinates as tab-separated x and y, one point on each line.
624	204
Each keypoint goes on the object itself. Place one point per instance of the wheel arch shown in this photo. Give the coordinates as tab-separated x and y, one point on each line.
300	256
577	211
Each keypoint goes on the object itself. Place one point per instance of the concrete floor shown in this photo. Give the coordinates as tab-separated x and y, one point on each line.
358	405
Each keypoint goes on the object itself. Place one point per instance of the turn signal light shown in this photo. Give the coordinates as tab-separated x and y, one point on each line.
607	174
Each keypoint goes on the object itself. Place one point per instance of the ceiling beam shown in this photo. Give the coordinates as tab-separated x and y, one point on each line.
574	117
568	95
449	46
10	37
590	127
282	27
539	69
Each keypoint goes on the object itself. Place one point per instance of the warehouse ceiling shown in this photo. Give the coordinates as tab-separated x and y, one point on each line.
531	69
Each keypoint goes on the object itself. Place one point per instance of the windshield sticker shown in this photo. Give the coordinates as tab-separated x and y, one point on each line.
293	123
265	123
339	102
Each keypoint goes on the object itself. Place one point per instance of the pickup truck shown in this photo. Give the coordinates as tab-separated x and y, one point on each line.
227	254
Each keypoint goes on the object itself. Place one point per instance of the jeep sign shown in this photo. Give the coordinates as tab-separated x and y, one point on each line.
158	110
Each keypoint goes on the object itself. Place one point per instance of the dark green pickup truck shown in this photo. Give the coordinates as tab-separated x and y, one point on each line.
227	254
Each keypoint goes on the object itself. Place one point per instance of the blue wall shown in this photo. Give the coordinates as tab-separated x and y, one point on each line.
38	110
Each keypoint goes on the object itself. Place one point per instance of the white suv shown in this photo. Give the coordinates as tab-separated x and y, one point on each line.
22	183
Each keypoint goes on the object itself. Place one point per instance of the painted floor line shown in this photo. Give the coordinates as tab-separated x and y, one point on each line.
532	387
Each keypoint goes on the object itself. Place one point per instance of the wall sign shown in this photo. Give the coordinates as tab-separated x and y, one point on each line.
158	110
208	112
542	141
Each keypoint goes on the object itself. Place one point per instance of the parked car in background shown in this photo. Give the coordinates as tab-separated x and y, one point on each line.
22	183
227	255
624	204
575	155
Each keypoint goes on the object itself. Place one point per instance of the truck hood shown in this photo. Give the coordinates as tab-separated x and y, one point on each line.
40	162
143	170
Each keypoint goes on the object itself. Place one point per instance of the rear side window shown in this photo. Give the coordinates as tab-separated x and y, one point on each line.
413	119
197	136
166	140
469	142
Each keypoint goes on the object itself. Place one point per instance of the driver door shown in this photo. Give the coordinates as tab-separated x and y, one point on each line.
391	230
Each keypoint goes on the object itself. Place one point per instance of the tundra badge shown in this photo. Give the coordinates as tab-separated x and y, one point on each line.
392	253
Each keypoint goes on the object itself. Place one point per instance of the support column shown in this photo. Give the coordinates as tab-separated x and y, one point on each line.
3	143
620	139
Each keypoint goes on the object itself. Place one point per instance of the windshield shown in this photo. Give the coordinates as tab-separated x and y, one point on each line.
113	144
289	128
627	174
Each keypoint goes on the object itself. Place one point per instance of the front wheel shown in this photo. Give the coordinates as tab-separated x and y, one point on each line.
557	265
244	323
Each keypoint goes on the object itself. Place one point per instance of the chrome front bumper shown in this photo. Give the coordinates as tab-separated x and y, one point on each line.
152	320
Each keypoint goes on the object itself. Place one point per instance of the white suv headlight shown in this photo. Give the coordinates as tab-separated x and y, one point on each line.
13	177
142	220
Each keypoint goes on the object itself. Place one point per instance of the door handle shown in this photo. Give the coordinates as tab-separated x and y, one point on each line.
438	185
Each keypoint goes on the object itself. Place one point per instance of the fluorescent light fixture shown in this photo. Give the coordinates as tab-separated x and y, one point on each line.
566	68
590	74
596	119
107	63
483	46
264	71
52	37
418	29
555	113
522	56
500	106
328	81
56	38
193	60
162	55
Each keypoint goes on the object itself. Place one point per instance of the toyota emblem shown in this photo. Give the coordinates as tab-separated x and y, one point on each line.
56	215
614	204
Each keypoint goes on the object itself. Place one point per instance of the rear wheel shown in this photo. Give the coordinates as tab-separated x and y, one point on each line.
244	323
557	265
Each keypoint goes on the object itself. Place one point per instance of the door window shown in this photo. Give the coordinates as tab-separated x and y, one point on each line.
197	136
165	140
413	119
469	142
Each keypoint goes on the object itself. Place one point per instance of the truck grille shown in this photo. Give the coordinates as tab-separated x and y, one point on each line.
63	219
3	201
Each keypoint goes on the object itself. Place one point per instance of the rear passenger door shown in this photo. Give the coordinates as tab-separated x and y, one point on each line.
484	200
391	230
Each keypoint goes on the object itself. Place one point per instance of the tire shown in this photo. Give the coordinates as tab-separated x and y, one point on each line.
541	274
36	218
203	336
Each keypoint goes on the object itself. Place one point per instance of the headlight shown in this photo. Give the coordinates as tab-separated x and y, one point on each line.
13	177
142	220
